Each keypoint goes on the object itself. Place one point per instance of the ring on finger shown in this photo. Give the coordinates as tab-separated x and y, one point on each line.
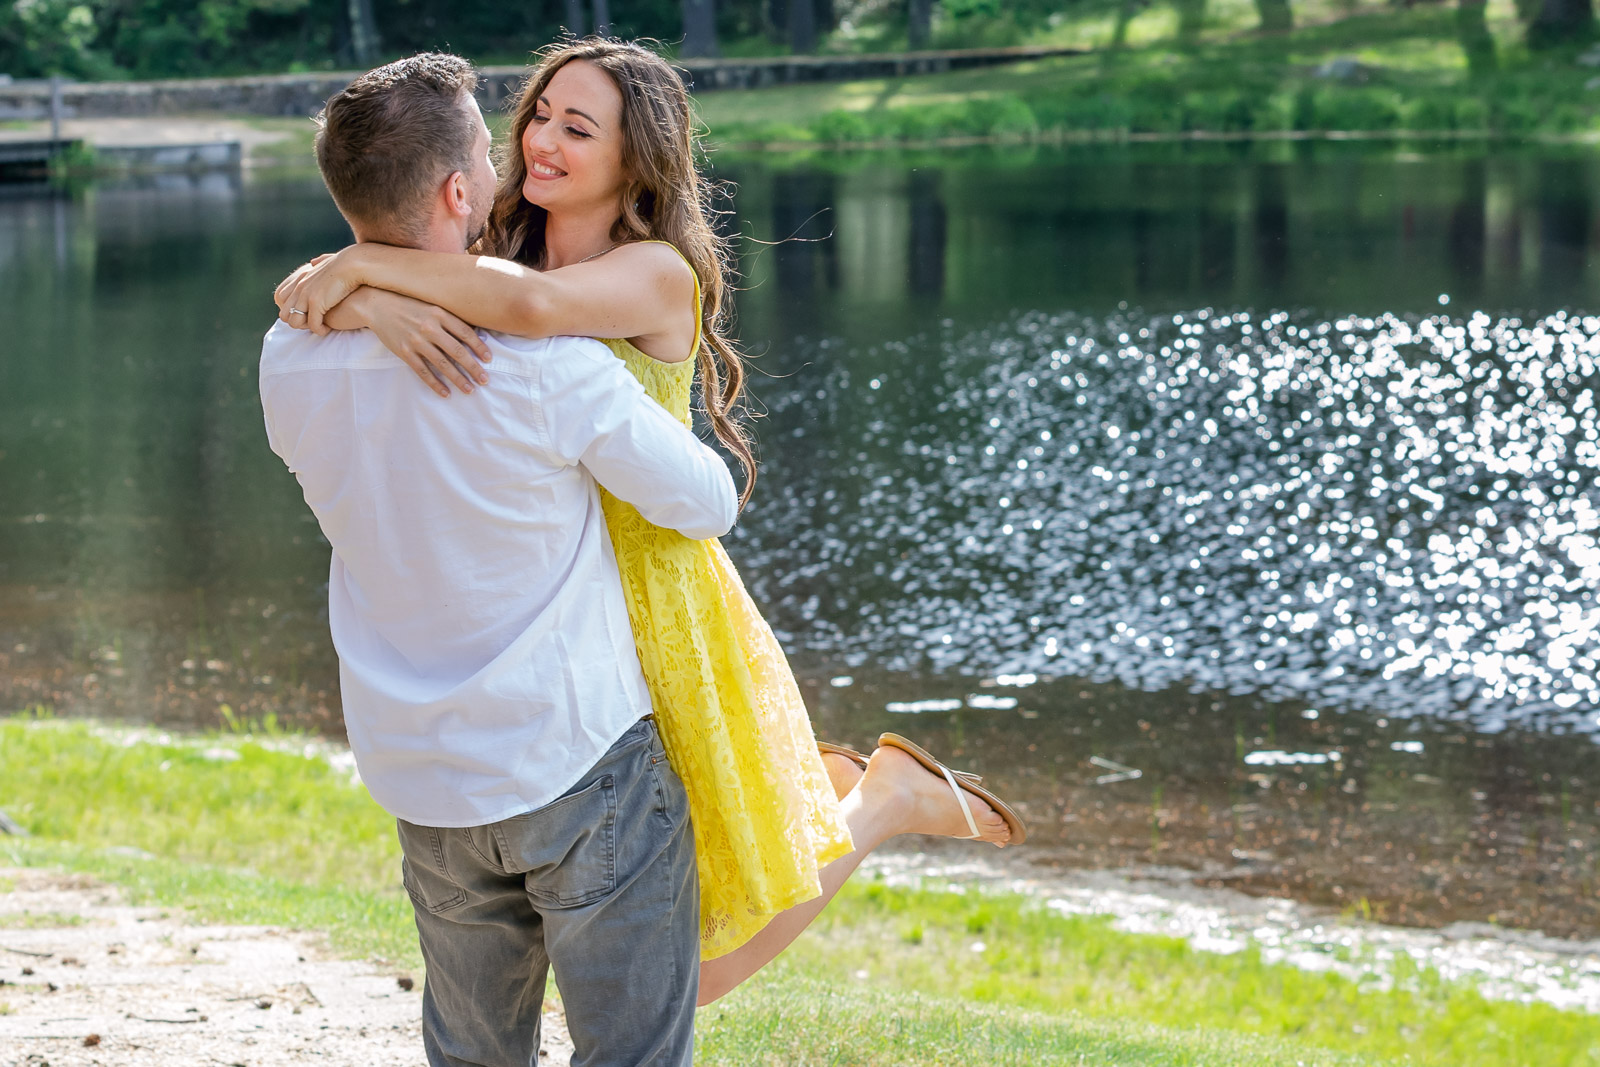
296	311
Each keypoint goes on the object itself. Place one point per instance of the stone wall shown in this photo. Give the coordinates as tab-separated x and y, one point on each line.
303	94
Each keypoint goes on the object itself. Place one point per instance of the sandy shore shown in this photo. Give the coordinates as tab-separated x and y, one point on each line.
87	980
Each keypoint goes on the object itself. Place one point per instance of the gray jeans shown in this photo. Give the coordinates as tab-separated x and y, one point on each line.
599	885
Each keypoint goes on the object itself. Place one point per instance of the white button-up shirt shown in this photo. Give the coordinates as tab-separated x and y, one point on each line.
486	659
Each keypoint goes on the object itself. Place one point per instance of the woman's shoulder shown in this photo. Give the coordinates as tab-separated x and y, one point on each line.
660	258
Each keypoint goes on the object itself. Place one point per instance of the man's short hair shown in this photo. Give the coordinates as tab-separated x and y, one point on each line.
386	142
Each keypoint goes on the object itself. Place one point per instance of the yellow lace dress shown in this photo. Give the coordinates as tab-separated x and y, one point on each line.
729	711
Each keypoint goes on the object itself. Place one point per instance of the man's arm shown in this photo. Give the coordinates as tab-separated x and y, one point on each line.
598	415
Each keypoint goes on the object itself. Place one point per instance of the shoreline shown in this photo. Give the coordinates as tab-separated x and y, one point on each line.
1505	963
1502	963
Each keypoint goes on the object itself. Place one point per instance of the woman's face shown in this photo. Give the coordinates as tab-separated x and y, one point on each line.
573	145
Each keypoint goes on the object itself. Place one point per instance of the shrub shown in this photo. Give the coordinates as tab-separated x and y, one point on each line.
1428	113
1221	111
1100	112
1565	118
1472	114
1303	112
841	126
1001	116
1515	116
1273	113
1356	109
1156	113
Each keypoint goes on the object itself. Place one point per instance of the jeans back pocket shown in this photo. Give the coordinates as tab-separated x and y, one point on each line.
423	869
566	850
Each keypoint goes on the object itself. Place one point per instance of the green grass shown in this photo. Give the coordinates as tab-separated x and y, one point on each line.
1229	82
888	976
787	1016
264	809
1004	951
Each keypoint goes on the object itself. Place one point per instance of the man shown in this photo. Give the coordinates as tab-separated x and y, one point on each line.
491	691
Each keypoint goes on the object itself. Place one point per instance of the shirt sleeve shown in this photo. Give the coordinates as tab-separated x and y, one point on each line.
597	415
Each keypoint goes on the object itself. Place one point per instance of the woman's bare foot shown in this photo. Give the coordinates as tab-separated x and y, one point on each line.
843	772
910	799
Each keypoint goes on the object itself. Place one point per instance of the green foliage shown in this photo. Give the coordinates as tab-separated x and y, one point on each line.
1221	111
1429	113
50	37
1471	114
1359	109
841	127
1004	117
77	162
977	24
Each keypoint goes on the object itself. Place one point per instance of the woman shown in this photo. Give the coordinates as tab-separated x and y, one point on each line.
603	228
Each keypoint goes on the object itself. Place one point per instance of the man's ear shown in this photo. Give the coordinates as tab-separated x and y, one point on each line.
458	195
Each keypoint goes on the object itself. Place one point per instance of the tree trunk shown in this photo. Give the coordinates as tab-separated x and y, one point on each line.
1476	41
575	19
699	27
919	23
1561	20
1191	20
1125	13
802	26
1275	15
364	43
602	18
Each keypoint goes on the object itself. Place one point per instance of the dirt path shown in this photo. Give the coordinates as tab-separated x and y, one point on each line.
87	980
116	133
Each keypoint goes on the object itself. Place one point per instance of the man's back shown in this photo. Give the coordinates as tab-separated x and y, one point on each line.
485	650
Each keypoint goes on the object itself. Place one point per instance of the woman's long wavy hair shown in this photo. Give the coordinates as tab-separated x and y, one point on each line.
666	199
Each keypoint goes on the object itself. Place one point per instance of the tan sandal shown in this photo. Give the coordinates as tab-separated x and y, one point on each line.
829	748
960	782
860	759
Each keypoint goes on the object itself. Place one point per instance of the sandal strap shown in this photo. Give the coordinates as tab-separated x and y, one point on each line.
961	798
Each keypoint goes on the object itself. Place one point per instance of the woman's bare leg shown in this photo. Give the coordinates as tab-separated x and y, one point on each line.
896	795
843	773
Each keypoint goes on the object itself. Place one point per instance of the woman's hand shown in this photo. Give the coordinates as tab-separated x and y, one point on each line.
305	297
441	348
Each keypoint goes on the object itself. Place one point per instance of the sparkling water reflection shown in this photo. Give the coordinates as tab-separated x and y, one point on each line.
1393	513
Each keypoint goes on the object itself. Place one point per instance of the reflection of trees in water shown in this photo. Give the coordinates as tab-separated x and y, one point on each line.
803	221
1271	218
132	440
1350	232
1467	229
925	256
1391	514
1565	217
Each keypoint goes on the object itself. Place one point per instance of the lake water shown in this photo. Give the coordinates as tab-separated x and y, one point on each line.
1268	473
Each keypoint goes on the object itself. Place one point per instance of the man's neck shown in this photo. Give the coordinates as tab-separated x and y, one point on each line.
438	237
